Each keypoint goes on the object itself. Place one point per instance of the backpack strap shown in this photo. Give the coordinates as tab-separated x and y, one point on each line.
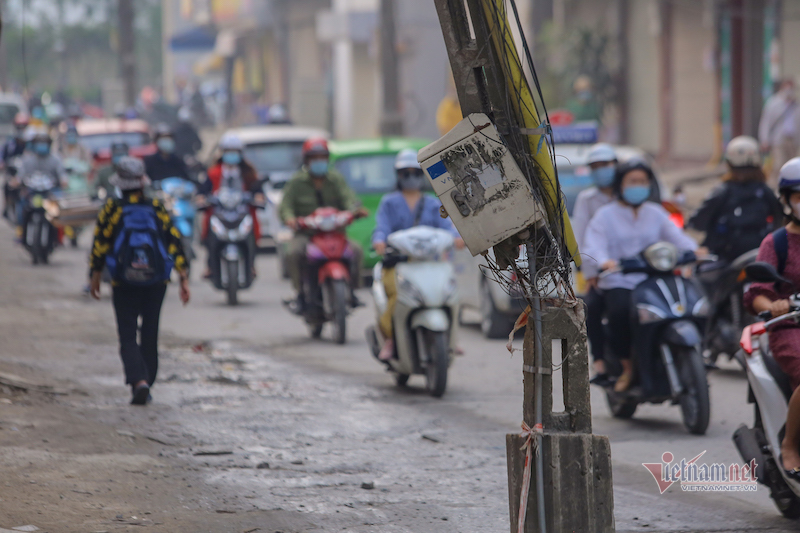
780	239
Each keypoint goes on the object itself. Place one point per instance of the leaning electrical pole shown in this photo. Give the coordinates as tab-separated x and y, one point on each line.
127	49
391	118
559	472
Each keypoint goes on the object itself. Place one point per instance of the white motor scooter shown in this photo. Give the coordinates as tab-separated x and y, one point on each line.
770	391
427	306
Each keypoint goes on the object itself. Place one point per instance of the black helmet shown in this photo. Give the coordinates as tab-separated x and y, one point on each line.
628	166
162	130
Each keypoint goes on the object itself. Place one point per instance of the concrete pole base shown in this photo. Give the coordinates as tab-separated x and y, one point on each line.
577	483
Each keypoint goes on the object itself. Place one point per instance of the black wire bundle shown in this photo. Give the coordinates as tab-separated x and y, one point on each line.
547	243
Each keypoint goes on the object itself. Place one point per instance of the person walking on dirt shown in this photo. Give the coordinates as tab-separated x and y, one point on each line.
136	241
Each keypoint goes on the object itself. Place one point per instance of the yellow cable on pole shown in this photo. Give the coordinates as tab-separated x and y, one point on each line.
527	115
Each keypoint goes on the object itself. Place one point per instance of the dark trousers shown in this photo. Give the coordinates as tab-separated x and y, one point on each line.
139	356
595	310
618	312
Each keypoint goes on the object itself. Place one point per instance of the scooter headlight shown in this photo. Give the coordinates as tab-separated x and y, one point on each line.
662	256
218	228
409	292
244	229
648	313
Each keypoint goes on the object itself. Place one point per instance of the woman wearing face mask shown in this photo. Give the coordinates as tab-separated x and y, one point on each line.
232	168
782	250
165	163
623	229
399	210
602	161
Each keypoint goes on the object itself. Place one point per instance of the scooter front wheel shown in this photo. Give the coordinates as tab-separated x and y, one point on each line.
436	345
233	283
338	293
694	400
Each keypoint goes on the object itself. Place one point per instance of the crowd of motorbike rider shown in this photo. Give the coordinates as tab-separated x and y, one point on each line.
613	220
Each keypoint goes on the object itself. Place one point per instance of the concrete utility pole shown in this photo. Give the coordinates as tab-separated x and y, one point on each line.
127	49
392	119
567	479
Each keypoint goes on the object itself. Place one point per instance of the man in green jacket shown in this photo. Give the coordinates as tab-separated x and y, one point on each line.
316	185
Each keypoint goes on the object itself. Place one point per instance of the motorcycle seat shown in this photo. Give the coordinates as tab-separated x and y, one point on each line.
781	378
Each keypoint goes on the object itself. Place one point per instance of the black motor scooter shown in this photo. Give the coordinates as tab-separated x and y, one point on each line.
231	241
668	315
724	284
39	236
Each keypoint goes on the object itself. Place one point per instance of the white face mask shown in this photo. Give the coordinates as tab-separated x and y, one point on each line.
796	210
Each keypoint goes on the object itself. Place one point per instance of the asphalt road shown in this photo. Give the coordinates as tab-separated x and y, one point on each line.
328	419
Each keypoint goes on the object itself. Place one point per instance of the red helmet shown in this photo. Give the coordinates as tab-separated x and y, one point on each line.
21	120
315	147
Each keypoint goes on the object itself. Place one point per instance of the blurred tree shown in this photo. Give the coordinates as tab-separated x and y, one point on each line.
581	52
89	33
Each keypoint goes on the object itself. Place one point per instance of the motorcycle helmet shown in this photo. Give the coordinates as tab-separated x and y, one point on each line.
161	130
743	152
601	153
184	115
231	142
129	174
41	142
118	151
409	172
21	120
278	114
789	178
315	147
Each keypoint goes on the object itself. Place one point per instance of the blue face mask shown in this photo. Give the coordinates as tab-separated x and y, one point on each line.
115	159
72	138
166	145
318	167
636	195
603	177
41	148
231	158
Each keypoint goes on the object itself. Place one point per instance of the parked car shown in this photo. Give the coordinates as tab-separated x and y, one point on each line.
97	135
275	152
10	105
368	166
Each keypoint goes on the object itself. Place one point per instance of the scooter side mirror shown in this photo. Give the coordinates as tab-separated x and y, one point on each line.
764	273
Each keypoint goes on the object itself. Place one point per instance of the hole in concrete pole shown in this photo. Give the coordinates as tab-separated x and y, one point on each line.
558	381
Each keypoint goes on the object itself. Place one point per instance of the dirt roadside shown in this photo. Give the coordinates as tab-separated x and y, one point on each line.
62	469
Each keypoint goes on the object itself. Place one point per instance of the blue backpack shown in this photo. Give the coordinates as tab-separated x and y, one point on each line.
139	256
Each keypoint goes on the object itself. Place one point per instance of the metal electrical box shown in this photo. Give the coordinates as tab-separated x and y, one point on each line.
480	184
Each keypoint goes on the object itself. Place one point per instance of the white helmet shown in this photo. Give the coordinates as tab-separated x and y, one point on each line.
789	177
601	153
231	141
743	151
407	159
184	114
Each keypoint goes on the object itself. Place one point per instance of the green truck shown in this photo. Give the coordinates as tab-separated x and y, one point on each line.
368	166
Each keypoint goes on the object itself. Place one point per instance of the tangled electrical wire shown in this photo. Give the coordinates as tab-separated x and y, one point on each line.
543	269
